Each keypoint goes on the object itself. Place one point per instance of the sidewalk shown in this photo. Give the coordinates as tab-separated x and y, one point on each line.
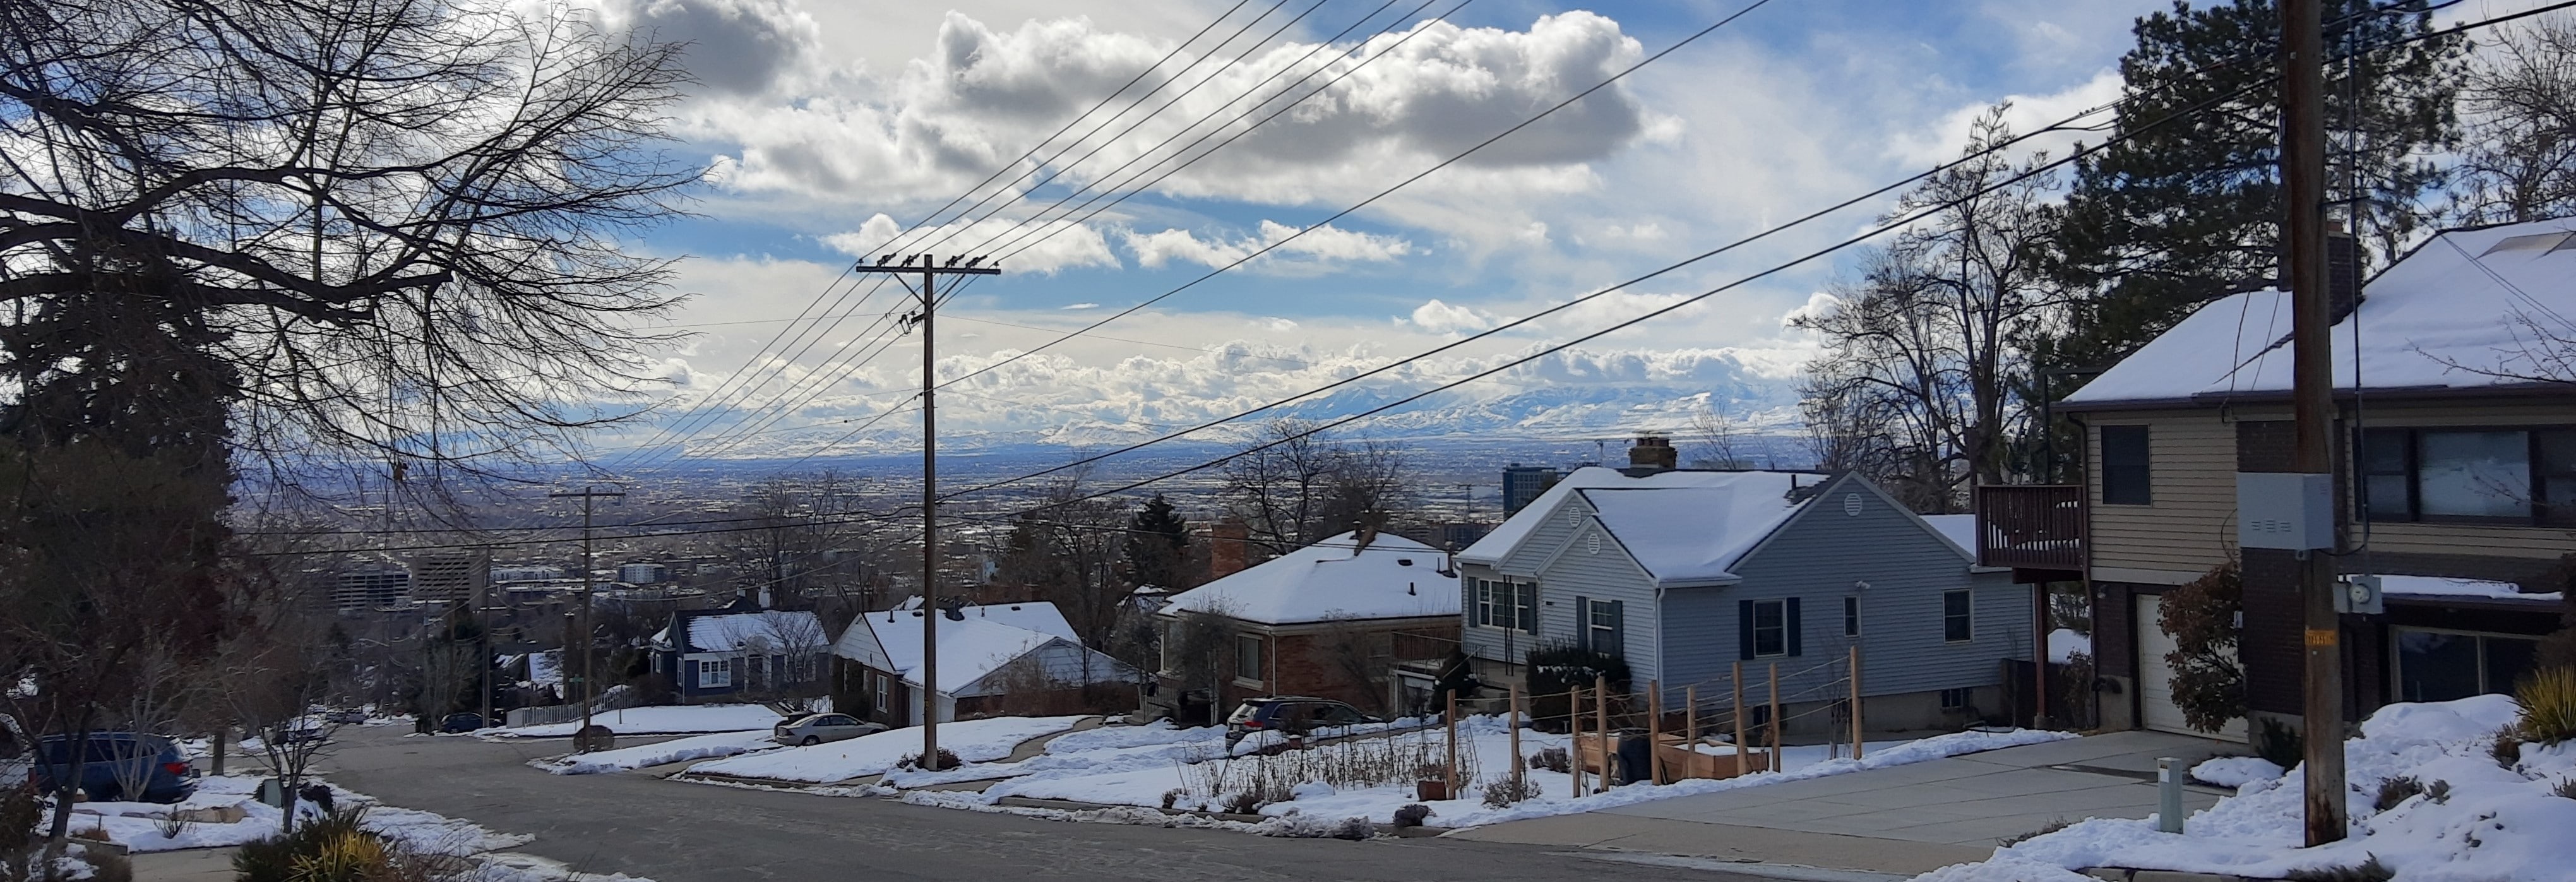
1905	819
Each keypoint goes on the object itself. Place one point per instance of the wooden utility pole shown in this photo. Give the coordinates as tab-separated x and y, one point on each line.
1655	731
1857	732
2303	179
1601	725
587	495
1775	718
930	271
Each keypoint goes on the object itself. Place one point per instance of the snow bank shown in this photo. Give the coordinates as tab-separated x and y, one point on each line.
721	744
1156	745
2235	771
2495	824
679	720
971	740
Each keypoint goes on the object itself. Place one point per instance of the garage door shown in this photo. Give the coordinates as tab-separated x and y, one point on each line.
2155	677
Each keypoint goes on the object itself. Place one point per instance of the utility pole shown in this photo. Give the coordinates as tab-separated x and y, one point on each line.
930	271
587	494
2303	177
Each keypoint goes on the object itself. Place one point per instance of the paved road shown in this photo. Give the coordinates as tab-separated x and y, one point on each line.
678	832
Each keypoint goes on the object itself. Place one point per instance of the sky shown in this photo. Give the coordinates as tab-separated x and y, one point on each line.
831	130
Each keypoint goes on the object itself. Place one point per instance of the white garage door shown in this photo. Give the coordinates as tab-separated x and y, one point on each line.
2155	678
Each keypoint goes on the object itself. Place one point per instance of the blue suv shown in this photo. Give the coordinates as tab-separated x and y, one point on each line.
166	774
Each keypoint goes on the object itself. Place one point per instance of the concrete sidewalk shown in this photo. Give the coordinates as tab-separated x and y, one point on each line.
1903	819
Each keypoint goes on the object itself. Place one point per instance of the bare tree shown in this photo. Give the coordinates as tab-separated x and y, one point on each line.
2518	162
1308	486
1715	440
795	641
1359	654
1068	551
1198	646
1924	346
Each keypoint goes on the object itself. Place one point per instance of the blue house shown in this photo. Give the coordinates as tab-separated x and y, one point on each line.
742	654
1684	574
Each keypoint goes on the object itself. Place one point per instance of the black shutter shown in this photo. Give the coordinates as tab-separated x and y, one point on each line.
1795	629
1583	623
1527	593
1619	626
688	676
1744	629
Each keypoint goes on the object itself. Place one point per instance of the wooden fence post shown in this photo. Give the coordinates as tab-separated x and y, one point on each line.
1601	722
1520	765
1655	731
1449	773
1857	730
1690	726
1737	711
1574	734
1776	760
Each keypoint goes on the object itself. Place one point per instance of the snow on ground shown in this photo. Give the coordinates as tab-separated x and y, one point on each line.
1141	774
686	719
2493	823
972	741
721	744
2235	771
1158	744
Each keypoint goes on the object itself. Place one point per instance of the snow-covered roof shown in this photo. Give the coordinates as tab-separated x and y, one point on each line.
1393	578
2443	586
2451	315
730	632
546	668
1491	549
970	648
1960	529
1695	535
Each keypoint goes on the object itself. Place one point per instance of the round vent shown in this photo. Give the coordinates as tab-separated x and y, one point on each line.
1592	544
1851	505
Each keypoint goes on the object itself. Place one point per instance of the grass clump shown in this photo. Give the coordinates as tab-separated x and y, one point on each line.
1503	793
2548	700
2051	827
2396	790
2507	746
2369	870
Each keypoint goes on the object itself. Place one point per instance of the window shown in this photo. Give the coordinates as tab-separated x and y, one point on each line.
1247	657
880	691
1770	628
2447	665
1958	616
1954	699
1603	626
715	672
1851	617
800	667
2490	475
1508	605
2125	469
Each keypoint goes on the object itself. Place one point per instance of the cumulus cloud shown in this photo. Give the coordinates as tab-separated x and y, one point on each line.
1441	318
1312	251
735	47
1050	247
1080	306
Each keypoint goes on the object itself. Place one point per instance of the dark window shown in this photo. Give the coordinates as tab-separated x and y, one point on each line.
2490	475
2124	466
2387	474
2441	665
1604	626
1247	656
1958	616
1851	617
1954	699
1770	628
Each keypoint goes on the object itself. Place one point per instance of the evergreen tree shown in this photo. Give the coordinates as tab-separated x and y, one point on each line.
1159	546
2180	213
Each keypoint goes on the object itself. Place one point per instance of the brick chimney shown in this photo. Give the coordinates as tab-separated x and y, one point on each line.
1652	453
2343	273
1226	539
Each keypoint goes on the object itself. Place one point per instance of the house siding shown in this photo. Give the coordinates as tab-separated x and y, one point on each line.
2191	487
1609	574
1813	558
1556	619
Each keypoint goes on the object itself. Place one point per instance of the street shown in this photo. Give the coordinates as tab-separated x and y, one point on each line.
677	832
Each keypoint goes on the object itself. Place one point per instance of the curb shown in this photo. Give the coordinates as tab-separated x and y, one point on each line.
2125	874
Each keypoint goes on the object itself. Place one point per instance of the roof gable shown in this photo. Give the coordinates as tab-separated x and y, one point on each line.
980	641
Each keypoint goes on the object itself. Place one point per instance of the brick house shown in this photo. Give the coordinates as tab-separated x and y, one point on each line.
994	660
2455	479
1362	623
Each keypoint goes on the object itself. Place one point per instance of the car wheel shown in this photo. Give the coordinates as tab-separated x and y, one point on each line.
809	741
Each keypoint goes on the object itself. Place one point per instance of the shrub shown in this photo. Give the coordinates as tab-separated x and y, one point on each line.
1555	668
1502	793
20	811
1554	759
2396	790
274	859
2507	747
911	761
1244	803
2280	744
2566	787
1173	797
1411	815
93	834
107	866
2548	705
2438	791
2208	684
2370	870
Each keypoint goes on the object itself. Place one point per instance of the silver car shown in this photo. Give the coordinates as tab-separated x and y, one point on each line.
819	728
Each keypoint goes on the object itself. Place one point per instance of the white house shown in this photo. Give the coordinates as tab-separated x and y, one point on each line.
993	659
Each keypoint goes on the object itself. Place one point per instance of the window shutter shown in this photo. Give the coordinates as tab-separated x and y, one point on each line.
1528	592
1744	629
1583	622
1619	626
1795	630
1483	601
688	675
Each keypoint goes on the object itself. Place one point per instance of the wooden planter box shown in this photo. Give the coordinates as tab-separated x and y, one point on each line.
1679	762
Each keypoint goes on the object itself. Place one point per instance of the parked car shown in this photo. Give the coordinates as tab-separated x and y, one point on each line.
819	728
165	774
1293	714
298	732
344	717
466	721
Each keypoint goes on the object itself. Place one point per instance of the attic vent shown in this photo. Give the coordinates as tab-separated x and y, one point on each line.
2537	242
1404	561
1592	544
1573	519
1851	505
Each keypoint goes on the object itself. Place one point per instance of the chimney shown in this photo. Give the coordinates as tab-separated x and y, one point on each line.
2343	273
1652	453
1226	539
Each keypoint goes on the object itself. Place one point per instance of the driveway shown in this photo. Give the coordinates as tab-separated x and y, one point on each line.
1903	819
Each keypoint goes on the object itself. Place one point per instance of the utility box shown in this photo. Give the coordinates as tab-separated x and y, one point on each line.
2287	510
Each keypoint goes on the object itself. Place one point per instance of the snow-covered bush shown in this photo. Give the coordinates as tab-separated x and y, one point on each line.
1412	815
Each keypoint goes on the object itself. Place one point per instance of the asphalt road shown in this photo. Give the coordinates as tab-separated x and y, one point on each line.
678	832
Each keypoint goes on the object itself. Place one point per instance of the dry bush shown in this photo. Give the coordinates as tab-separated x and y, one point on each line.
2507	746
1554	759
1354	764
2566	787
2369	870
2396	790
1502	793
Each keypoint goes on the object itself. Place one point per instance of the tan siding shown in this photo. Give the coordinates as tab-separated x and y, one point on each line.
2192	482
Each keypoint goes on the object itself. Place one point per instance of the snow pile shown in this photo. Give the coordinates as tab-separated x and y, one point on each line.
2236	771
1143	779
721	744
1156	745
2442	586
138	825
688	719
971	740
2477	819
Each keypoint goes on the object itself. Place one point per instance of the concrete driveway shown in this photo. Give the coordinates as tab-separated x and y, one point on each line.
1904	819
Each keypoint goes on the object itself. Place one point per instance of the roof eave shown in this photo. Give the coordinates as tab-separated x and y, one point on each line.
1700	581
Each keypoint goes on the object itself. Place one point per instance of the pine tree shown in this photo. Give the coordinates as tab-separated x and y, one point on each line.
2181	212
1159	545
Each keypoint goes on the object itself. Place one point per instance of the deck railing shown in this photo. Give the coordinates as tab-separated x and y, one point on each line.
2031	526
